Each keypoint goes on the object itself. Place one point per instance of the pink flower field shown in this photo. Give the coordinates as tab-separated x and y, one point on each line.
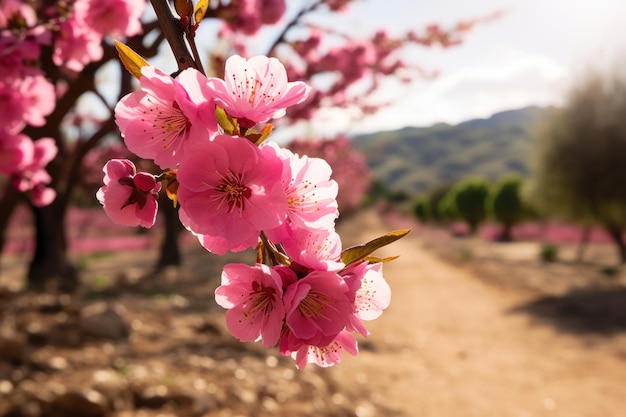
89	230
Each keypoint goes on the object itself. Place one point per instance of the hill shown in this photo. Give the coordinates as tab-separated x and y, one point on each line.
415	160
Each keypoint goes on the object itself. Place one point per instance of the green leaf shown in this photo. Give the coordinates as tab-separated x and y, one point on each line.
131	60
200	10
228	123
361	252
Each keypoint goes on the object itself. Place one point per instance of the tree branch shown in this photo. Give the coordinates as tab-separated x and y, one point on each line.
296	19
174	33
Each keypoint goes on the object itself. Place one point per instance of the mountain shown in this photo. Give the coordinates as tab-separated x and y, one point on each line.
417	159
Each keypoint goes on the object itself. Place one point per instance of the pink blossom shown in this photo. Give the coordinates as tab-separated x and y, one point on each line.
317	307
272	11
32	175
349	166
76	45
33	172
112	17
41	195
253	297
16	152
129	198
248	18
25	101
328	355
230	189
16	53
11	10
162	119
315	249
372	293
256	90
311	194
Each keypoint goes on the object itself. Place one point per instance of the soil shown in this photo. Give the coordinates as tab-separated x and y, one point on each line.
475	328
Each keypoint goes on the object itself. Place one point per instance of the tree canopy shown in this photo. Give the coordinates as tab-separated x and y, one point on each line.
578	166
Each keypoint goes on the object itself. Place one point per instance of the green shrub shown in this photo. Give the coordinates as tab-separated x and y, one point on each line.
421	209
548	252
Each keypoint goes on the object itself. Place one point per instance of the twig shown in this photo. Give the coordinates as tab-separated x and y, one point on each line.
174	33
291	24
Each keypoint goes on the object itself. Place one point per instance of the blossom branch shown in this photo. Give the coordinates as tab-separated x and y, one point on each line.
174	33
297	18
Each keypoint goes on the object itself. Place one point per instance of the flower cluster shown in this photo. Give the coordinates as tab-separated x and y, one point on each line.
236	190
73	32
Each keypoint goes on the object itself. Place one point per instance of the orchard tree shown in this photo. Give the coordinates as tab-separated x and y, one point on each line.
421	209
504	204
446	207
54	57
466	200
578	172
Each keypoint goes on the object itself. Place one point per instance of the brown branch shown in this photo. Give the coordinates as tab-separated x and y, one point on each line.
174	33
281	37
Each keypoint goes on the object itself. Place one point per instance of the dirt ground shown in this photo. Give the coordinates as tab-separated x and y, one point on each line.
474	329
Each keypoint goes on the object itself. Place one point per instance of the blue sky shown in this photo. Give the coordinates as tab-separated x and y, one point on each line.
528	56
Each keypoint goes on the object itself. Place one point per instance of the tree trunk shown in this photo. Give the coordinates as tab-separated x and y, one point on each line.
506	234
9	203
50	267
616	233
170	251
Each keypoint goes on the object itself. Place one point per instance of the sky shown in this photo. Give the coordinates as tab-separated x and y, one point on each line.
529	56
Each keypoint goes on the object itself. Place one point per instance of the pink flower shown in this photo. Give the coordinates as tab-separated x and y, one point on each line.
272	11
129	198
328	355
317	307
41	195
230	189
311	194
168	113
112	17
372	293
253	297
29	173
25	101
256	90
315	249
33	172
16	152
15	10
76	45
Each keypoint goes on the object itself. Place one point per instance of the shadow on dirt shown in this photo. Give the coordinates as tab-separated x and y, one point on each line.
595	311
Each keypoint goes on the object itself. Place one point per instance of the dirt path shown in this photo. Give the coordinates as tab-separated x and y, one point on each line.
450	346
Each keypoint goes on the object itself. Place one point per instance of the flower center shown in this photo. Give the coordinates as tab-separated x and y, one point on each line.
169	122
260	299
138	197
313	305
233	191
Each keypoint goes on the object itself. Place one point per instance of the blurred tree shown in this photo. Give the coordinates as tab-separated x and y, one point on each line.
578	171
466	200
435	196
421	209
446	208
504	204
